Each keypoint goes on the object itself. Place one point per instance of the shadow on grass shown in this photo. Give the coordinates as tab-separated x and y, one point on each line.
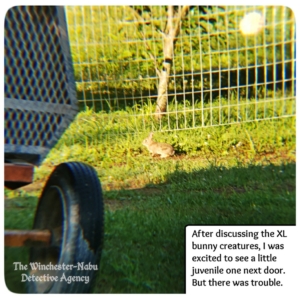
144	249
145	228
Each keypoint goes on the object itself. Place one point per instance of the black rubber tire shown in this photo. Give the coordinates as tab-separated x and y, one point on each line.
71	206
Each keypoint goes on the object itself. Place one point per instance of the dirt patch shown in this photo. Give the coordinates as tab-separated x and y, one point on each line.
284	186
33	187
230	190
290	187
113	205
150	191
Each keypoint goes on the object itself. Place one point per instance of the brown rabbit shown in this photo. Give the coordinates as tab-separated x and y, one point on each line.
163	149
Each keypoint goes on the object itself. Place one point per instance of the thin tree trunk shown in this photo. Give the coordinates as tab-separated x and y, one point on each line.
170	35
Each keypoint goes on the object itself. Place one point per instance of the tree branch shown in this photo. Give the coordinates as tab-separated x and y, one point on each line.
141	21
182	12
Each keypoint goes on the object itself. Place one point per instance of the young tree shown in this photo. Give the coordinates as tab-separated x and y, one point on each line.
175	15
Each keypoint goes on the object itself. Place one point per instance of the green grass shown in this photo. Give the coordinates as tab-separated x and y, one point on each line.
147	254
233	174
110	49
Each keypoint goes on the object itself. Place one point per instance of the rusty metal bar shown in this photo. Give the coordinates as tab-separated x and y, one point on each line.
17	175
20	238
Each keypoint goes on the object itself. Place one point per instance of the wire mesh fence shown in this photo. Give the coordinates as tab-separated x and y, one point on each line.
176	68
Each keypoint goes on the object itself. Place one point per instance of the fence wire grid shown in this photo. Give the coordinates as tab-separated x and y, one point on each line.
228	64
